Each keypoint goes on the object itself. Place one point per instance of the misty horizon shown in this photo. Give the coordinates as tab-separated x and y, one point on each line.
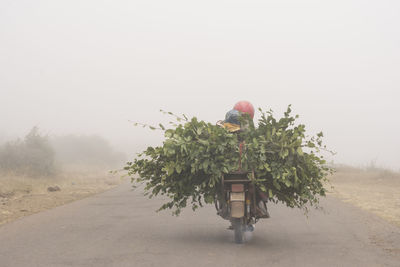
90	68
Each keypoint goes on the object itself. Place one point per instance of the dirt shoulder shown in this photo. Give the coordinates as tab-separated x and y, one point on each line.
22	196
374	190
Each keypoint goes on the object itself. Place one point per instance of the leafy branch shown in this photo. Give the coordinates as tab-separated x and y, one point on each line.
187	167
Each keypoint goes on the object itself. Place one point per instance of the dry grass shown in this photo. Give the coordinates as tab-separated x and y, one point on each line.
21	196
373	189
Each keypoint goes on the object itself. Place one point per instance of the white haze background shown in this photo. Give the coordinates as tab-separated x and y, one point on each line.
87	67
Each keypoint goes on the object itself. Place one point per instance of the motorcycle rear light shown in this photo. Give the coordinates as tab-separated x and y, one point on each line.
237	188
237	196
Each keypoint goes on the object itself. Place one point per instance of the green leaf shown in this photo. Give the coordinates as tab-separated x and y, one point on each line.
299	151
266	166
178	169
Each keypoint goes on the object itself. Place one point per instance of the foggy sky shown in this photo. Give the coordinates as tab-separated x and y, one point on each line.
88	67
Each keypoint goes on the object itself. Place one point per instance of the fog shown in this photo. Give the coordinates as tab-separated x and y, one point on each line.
88	67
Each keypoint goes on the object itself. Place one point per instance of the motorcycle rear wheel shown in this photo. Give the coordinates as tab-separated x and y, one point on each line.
238	230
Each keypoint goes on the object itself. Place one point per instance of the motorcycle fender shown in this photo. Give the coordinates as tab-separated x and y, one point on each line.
237	209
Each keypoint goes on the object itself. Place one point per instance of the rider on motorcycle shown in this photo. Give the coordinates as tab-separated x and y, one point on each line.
233	124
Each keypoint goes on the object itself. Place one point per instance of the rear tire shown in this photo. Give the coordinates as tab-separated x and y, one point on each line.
238	230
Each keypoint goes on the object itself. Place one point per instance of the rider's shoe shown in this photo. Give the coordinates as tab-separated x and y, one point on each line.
262	210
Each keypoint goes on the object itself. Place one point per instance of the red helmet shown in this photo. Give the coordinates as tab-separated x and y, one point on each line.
245	107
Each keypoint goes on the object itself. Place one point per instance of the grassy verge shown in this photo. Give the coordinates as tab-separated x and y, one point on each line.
21	195
372	189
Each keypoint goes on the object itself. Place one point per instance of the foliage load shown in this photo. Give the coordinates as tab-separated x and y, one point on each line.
187	168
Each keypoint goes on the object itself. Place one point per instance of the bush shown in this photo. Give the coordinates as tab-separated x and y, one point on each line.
38	155
31	156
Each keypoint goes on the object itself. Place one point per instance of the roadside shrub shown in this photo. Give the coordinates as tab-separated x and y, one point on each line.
39	155
31	156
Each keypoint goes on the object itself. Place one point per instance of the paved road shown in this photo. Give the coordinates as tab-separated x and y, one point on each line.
120	228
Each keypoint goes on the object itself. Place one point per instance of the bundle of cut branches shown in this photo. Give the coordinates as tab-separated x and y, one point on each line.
187	167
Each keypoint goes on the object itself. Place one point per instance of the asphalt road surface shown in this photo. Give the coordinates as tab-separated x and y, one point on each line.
121	228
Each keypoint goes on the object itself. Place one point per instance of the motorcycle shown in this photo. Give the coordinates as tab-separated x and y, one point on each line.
238	199
240	202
